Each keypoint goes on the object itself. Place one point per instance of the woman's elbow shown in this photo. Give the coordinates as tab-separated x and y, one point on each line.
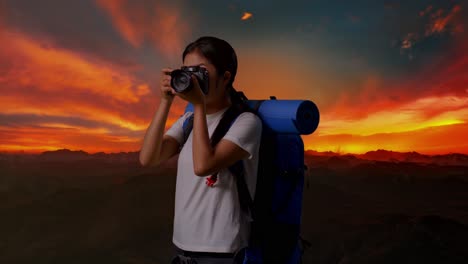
201	171
144	160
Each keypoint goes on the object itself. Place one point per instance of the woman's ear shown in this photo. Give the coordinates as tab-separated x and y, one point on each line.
226	77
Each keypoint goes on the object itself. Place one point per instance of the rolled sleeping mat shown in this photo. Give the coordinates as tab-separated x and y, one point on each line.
285	116
288	116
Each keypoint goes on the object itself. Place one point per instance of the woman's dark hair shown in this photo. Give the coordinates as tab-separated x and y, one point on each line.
219	53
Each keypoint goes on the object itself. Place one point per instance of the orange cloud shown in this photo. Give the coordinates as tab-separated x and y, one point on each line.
111	131
67	107
439	22
117	12
408	41
428	113
443	79
246	16
38	139
374	115
419	114
431	140
51	69
161	24
38	78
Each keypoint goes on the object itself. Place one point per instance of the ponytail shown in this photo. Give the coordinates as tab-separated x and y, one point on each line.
238	99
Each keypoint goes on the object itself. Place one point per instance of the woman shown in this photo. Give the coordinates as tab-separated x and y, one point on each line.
209	225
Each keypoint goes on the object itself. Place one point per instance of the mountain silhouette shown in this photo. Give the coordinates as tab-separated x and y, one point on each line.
451	159
67	155
64	155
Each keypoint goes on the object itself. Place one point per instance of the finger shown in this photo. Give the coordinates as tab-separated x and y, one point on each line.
167	71
168	93
166	82
194	79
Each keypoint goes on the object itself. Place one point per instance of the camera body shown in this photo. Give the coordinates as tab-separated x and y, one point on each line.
181	79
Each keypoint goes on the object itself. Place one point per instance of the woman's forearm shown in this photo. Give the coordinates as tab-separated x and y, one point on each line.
151	146
202	150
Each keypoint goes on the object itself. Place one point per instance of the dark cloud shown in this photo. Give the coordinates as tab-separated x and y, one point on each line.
74	25
392	4
164	25
433	32
354	18
47	122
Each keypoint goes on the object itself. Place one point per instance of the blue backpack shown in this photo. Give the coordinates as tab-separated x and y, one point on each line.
277	205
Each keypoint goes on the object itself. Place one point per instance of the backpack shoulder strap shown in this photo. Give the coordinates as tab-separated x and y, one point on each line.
237	169
187	127
245	199
225	123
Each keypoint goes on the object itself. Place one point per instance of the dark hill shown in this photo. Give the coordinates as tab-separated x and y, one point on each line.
114	211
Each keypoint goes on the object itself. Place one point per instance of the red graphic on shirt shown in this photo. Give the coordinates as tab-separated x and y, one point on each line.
210	181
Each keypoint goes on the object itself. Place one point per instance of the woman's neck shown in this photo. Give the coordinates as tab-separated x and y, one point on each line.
217	106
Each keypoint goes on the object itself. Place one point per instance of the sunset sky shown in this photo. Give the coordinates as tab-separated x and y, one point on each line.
84	75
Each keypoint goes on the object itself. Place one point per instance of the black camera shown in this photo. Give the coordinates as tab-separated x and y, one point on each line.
181	79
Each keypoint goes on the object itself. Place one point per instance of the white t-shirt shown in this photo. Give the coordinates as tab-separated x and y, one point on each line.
209	219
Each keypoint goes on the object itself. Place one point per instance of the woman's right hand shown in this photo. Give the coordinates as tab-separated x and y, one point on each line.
167	92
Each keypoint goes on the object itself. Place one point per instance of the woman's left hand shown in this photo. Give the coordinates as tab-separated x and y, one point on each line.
195	95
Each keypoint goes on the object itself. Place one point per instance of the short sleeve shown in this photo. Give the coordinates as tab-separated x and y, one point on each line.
246	132
176	130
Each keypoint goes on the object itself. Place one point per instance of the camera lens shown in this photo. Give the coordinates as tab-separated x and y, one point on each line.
180	80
